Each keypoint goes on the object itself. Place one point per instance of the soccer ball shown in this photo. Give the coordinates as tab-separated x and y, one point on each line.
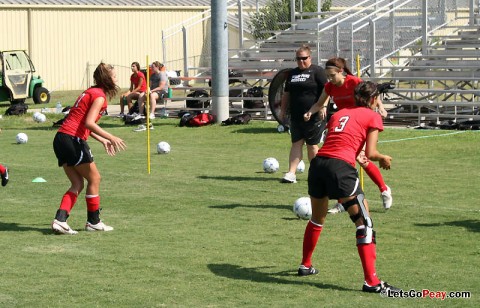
301	167
39	117
21	138
270	165
302	208
163	147
35	115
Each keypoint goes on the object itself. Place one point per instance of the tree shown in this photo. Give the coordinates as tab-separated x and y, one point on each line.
275	16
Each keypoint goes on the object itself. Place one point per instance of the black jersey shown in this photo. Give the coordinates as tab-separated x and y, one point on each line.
304	87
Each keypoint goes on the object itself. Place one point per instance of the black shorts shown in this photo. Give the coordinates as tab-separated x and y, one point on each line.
310	131
71	150
332	177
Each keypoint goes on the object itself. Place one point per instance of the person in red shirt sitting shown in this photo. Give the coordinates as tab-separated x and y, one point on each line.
138	86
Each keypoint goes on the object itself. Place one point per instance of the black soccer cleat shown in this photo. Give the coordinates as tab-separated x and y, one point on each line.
5	177
382	287
306	271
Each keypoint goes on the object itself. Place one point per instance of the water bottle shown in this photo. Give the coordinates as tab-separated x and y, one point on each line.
58	108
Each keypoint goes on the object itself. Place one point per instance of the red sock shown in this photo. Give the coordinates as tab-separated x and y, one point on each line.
310	239
368	255
93	202
2	169
68	201
374	173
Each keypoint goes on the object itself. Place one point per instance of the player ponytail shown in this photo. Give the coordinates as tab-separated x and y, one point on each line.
339	63
103	79
364	92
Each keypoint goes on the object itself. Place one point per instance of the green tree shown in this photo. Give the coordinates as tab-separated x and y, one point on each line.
275	15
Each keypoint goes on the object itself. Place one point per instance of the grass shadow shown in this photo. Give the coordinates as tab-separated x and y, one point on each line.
256	130
16	228
237	178
255	274
265	206
470	224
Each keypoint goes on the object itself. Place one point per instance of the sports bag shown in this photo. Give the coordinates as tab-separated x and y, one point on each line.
254	92
198	103
201	119
17	109
239	119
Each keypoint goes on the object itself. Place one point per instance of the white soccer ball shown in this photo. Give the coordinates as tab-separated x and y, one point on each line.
35	115
163	147
40	118
21	138
270	165
302	208
301	167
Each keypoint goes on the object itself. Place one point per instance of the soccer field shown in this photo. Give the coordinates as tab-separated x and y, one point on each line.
208	228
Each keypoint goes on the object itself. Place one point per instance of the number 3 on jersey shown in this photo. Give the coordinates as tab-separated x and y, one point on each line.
342	122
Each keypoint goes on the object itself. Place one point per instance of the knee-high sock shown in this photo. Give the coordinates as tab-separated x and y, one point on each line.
368	256
374	173
68	201
310	239
93	208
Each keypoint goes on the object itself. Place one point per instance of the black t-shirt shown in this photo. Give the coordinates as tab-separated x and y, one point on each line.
304	87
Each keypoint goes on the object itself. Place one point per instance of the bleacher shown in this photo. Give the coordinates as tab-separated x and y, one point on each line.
436	83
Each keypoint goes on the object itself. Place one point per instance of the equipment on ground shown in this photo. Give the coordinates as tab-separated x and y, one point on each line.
302	208
21	138
17	81
270	165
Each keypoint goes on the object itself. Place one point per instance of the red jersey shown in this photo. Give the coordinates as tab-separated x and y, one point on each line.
74	124
343	96
135	79
347	133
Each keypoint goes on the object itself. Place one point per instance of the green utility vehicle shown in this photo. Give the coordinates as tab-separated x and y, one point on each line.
17	81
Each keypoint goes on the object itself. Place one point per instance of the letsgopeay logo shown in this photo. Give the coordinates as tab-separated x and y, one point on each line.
300	78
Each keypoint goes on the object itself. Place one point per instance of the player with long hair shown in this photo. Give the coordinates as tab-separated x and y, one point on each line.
74	155
340	88
332	174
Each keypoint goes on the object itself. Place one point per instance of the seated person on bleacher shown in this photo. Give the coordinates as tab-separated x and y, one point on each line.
158	89
138	86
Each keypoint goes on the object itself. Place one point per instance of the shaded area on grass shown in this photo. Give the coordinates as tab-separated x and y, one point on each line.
469	224
11	226
255	275
237	178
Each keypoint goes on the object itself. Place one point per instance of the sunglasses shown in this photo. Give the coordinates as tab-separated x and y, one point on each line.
302	58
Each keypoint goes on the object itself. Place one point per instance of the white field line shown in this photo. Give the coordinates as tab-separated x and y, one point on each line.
422	137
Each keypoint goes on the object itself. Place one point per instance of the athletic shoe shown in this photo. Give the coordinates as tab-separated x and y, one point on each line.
337	208
150	126
140	128
152	116
289	178
98	227
306	271
5	177
137	116
61	227
387	198
120	115
382	287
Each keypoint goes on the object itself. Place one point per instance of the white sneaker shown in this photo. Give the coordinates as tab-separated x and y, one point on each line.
121	115
98	227
289	178
140	128
137	116
152	116
387	198
61	227
337	208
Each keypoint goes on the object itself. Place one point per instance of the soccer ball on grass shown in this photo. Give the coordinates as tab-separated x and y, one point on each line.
270	165
21	138
302	208
163	147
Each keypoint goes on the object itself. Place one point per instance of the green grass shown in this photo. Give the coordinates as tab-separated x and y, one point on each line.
207	228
